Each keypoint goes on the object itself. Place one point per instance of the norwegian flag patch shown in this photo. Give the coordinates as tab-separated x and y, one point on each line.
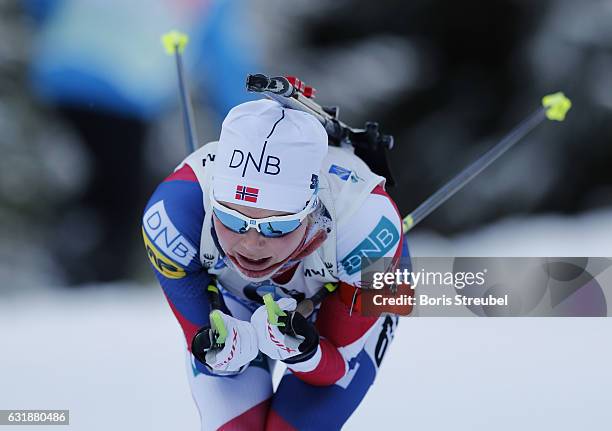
244	193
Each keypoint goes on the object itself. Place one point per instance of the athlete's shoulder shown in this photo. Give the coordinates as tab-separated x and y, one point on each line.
172	223
373	231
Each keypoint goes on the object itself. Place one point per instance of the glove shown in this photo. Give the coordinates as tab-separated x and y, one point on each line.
227	346
283	333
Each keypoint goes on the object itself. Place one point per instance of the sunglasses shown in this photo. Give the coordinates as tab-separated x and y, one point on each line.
269	227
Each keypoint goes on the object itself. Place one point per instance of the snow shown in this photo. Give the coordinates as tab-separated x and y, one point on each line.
113	355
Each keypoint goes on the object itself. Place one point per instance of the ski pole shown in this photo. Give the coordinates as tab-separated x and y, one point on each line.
554	107
293	93
214	337
175	42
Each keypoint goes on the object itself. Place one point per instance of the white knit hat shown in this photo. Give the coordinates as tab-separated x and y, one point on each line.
268	157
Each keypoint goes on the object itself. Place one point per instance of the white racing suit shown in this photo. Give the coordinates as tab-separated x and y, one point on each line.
322	392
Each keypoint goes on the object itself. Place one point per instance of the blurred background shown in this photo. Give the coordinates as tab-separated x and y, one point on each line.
90	124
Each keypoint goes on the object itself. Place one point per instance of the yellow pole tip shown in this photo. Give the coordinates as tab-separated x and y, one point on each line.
407	223
556	105
174	40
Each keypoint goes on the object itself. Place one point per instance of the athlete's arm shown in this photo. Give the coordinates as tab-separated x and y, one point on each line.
171	228
343	330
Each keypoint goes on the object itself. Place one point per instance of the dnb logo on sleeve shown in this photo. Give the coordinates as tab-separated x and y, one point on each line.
168	250
384	236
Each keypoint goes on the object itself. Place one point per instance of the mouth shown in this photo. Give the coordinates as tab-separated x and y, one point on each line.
252	264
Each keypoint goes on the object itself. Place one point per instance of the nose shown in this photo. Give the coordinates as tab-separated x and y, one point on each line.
253	240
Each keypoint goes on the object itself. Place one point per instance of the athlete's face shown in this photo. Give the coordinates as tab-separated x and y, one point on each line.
251	250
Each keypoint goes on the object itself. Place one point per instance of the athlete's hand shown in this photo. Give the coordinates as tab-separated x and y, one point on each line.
234	343
283	333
